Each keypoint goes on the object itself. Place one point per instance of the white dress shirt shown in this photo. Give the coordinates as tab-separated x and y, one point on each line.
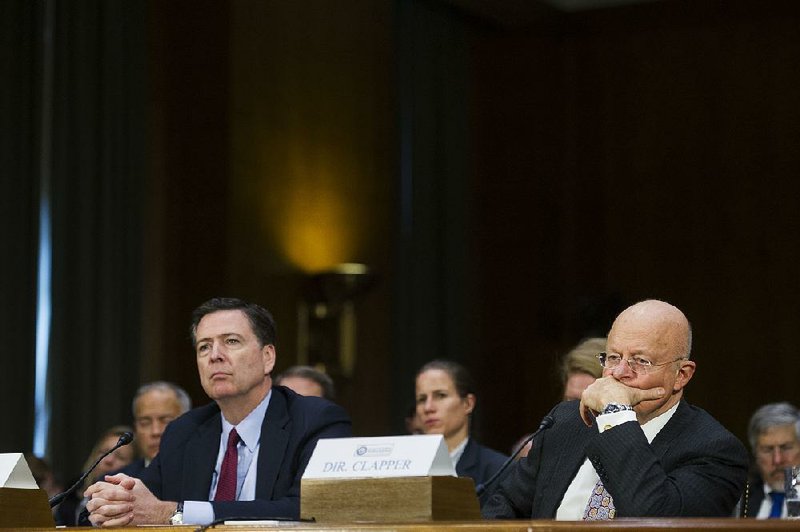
766	504
455	456
249	430
577	495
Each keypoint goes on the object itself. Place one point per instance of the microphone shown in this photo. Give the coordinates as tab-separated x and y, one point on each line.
546	423
125	439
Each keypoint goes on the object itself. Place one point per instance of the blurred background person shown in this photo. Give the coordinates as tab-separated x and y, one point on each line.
580	367
412	421
308	381
43	475
445	396
154	406
774	437
69	510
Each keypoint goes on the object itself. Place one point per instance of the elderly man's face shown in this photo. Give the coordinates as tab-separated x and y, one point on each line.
654	333
777	448
154	410
231	362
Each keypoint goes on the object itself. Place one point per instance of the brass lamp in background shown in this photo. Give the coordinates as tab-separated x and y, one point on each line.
327	321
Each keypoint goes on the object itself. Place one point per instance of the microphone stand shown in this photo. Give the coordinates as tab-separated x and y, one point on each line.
546	423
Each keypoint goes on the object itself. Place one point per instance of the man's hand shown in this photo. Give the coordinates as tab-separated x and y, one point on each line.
609	390
122	500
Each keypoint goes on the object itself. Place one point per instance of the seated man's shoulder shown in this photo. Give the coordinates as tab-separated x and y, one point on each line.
701	422
492	460
311	410
489	454
134	469
188	422
565	414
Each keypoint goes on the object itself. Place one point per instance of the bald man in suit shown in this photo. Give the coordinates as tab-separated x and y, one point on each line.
632	447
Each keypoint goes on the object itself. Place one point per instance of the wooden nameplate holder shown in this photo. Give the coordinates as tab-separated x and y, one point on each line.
433	498
25	508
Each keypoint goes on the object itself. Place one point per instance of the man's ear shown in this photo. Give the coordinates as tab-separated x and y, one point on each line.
268	355
685	374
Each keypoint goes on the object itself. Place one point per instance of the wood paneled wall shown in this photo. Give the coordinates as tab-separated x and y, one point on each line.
649	151
645	151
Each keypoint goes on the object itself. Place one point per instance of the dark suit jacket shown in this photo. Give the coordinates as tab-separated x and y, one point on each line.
694	467
134	469
183	468
755	496
478	462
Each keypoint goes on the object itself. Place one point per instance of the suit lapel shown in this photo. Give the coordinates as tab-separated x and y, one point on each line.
468	463
570	447
200	458
672	430
273	443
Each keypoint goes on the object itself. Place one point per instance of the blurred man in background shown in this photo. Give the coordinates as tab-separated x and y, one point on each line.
155	404
774	435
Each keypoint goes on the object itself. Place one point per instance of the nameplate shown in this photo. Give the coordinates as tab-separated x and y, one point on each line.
380	457
15	473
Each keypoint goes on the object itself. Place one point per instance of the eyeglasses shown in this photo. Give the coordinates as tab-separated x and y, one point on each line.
638	365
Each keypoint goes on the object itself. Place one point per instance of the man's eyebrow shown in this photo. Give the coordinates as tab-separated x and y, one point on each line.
220	335
631	352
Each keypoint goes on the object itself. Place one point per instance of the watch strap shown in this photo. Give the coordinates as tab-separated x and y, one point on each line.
612	408
177	517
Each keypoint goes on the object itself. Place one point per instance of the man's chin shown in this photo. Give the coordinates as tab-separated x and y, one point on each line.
776	481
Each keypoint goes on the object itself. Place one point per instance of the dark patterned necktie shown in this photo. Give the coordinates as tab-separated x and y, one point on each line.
600	505
777	504
226	485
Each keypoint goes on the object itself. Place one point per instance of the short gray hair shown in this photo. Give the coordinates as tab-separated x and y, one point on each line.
772	415
184	401
307	372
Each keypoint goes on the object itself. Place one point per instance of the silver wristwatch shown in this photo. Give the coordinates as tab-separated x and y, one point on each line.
177	517
612	408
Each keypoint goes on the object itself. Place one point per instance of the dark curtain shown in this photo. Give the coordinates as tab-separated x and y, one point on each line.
19	200
432	309
98	131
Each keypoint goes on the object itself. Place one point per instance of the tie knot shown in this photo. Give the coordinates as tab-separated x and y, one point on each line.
233	438
777	496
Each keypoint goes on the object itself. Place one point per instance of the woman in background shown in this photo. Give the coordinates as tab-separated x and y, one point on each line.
69	510
580	367
445	397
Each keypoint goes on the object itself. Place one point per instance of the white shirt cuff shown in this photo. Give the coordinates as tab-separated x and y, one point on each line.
607	421
197	512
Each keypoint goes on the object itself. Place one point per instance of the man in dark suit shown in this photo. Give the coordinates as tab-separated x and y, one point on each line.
651	454
241	456
774	434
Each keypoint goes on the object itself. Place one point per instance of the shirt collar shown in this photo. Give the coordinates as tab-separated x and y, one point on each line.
455	455
249	429
654	426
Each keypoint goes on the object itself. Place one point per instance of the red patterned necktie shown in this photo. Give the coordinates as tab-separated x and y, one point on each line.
600	505
226	485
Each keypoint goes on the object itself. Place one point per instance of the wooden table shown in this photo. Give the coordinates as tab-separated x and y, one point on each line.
617	525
